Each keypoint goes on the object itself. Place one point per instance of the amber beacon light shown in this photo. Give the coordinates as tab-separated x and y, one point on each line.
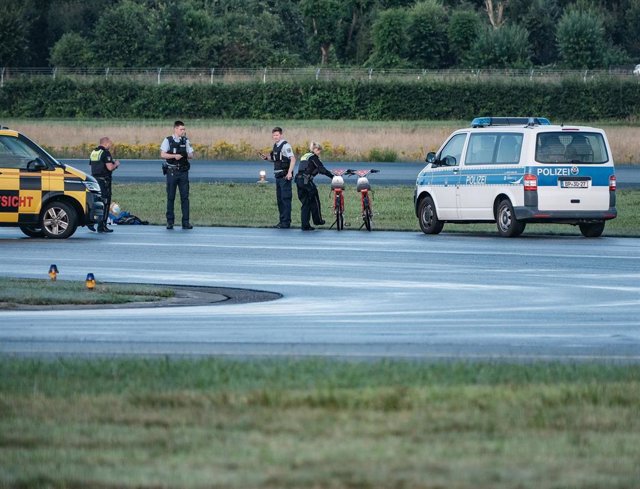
91	281
53	271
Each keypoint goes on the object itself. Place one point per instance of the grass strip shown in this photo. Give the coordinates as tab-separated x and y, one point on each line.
317	423
254	205
15	291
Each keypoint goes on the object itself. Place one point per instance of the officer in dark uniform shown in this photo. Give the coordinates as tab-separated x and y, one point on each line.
310	166
102	166
284	162
176	151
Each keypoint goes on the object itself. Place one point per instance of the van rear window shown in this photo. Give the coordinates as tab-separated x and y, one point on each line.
571	147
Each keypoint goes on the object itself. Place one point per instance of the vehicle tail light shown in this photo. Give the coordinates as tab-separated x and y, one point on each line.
530	182
612	183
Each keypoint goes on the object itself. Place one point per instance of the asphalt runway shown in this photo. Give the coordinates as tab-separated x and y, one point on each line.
399	173
139	171
349	294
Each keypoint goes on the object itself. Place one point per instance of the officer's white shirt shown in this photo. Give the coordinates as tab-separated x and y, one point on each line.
286	150
165	147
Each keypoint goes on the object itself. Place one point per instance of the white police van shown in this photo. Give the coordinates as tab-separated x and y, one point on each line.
518	170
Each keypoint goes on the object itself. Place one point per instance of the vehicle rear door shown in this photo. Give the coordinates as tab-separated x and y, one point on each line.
575	171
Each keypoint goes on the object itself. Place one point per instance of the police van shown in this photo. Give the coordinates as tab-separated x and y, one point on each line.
514	171
41	196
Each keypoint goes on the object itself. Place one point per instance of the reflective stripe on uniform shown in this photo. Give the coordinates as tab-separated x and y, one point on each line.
96	155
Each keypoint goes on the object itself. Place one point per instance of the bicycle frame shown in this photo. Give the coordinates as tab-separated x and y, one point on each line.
366	194
337	191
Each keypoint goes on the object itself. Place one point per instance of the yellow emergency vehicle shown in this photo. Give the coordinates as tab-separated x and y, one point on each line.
40	195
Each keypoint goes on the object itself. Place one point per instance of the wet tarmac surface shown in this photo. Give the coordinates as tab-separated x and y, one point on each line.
348	294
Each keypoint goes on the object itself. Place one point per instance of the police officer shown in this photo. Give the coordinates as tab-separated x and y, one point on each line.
102	166
176	151
310	166
283	163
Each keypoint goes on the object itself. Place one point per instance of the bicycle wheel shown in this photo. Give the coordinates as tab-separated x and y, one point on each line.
339	213
367	215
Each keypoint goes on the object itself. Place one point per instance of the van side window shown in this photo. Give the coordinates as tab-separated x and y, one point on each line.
15	153
494	148
480	150
509	148
454	147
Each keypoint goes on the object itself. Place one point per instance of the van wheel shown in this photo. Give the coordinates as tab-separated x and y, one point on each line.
428	217
59	220
32	231
508	225
592	229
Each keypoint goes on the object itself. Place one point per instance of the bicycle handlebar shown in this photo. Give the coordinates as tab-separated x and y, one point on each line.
360	173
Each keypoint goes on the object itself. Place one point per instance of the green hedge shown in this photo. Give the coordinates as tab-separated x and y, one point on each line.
566	100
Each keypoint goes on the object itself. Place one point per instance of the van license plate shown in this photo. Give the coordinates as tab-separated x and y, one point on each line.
574	184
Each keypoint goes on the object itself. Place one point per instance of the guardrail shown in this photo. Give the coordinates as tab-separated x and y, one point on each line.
265	75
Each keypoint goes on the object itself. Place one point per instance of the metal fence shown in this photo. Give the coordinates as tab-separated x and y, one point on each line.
265	75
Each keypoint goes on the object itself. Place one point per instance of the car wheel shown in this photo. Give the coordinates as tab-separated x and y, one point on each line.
508	225
592	229
59	220
32	231
428	217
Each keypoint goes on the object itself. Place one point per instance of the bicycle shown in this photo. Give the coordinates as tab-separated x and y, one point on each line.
337	190
366	195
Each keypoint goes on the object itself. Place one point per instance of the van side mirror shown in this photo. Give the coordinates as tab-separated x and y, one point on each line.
449	161
36	165
431	157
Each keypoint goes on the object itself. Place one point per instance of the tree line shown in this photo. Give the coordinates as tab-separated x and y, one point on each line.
425	34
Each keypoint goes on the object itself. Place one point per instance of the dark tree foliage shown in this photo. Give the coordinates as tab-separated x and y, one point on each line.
581	39
540	20
390	39
462	31
289	33
427	34
14	48
630	32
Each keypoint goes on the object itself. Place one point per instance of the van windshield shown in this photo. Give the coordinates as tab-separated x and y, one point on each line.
15	153
571	147
18	152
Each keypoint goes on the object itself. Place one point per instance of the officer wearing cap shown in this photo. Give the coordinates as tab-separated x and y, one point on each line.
176	151
310	166
102	166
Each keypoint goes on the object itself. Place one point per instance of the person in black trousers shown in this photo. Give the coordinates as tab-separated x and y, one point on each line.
102	166
310	165
283	163
176	151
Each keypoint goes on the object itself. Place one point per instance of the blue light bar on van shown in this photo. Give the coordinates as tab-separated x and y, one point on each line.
509	121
